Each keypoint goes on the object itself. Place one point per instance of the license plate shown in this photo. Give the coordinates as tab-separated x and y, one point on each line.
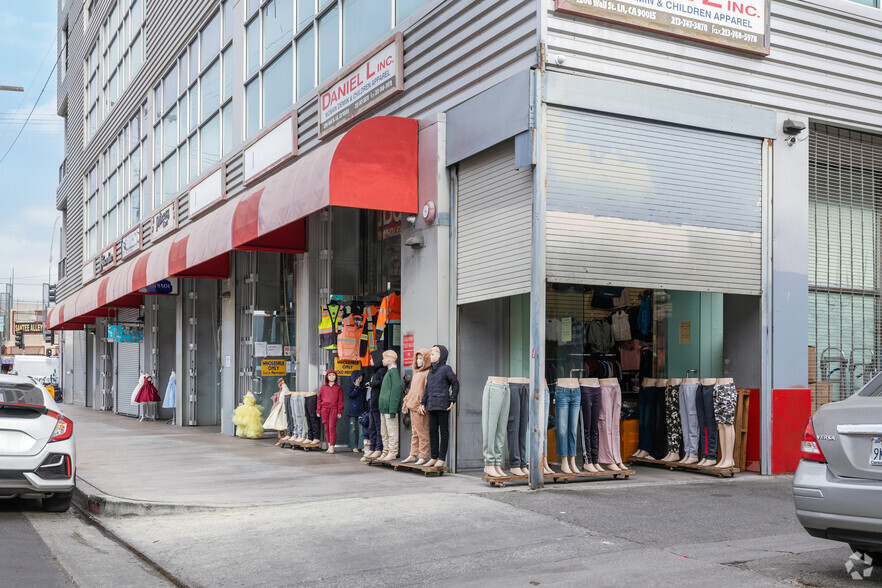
876	452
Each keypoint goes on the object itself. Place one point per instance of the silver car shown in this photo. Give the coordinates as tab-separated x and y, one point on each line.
838	484
37	453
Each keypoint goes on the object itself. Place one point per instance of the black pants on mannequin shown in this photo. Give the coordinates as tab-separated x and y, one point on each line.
707	423
591	405
658	424
518	416
439	421
312	419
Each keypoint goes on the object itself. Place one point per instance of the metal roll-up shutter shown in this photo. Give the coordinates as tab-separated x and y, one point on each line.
636	203
128	366
79	368
493	226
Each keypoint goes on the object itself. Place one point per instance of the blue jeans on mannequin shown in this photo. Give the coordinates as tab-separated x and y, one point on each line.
567	402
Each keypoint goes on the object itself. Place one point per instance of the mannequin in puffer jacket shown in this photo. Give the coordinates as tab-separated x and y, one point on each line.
442	390
373	397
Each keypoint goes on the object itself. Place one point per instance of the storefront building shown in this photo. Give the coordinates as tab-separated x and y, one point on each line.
517	172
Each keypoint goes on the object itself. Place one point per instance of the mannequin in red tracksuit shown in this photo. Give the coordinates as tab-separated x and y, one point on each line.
330	407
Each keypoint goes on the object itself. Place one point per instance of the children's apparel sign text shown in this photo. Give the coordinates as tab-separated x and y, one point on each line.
362	88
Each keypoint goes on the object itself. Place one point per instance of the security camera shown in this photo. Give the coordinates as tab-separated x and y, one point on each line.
793	127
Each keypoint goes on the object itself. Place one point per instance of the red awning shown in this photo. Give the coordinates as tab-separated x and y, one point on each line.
372	166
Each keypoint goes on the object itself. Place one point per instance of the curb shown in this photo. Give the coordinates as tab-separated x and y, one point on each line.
95	502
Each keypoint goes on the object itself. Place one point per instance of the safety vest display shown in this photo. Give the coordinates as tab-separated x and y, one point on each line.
390	310
368	335
349	338
332	314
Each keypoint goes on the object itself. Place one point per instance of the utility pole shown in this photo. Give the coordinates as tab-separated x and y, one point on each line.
11	89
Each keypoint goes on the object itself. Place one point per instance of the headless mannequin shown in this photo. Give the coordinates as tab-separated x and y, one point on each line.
708	382
494	471
568	463
615	467
727	437
546	469
591	383
689	460
302	438
519	471
647	383
673	455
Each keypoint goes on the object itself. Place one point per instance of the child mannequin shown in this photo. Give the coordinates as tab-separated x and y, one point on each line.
330	408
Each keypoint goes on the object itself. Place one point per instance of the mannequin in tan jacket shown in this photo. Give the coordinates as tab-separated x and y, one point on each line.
419	423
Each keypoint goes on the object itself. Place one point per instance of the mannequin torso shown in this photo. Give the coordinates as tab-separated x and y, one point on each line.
724	381
608	381
519	380
497	380
662	383
675	381
589	382
690	381
568	382
708	381
649	382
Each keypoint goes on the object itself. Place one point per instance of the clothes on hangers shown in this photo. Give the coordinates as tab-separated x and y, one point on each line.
332	316
390	310
171	392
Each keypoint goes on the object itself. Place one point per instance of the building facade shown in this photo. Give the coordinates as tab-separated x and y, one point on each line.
516	170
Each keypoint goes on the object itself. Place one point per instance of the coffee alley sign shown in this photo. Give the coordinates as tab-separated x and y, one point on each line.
736	24
363	87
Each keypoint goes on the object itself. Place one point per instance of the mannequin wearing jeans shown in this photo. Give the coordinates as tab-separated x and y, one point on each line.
689	420
644	404
609	451
494	420
591	405
707	423
568	399
518	424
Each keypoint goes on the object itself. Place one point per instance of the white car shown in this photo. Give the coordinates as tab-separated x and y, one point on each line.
37	452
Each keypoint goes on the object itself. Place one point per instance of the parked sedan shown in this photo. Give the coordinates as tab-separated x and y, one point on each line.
37	453
838	484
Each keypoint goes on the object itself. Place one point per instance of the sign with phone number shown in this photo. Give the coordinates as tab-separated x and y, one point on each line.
736	24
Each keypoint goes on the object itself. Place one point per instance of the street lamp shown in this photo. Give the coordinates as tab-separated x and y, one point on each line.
11	89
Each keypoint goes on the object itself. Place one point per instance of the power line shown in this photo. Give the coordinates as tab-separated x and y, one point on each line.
36	73
37	101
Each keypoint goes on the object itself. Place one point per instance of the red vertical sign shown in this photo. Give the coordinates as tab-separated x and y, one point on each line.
407	351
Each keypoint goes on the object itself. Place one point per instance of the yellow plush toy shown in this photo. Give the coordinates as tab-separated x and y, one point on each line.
248	418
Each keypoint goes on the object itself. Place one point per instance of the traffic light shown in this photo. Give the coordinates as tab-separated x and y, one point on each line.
49	337
52	293
19	339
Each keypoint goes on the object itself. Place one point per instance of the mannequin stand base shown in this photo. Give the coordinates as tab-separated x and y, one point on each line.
501	481
303	446
713	470
426	470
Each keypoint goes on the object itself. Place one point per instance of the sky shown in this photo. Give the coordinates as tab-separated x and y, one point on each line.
29	171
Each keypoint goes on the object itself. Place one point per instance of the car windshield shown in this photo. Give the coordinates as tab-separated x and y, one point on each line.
873	387
21	394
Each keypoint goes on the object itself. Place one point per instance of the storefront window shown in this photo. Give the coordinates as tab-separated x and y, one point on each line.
380	253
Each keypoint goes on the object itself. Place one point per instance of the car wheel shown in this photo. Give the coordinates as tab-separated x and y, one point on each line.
57	502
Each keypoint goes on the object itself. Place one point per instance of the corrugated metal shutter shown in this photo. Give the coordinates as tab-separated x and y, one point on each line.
635	203
493	224
128	367
845	216
79	368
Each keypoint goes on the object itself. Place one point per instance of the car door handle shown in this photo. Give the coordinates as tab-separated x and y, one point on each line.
859	429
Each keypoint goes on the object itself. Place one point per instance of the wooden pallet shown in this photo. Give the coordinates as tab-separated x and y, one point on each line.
501	481
721	472
426	470
626	474
303	446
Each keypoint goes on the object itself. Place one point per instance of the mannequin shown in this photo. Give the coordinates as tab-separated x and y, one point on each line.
518	424
442	390
314	424
277	420
330	407
725	401
689	420
672	418
389	405
707	423
495	404
658	424
546	469
373	398
356	392
591	406
644	399
419	423
300	399
609	449
568	400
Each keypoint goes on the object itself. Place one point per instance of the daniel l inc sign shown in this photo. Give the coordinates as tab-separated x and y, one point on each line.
736	24
363	87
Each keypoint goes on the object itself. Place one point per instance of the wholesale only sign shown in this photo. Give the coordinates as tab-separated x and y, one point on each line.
363	87
736	24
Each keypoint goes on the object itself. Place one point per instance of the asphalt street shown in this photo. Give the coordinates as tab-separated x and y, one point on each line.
25	558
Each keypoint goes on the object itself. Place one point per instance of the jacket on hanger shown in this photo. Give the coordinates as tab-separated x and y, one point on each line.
442	385
332	316
621	326
368	342
390	310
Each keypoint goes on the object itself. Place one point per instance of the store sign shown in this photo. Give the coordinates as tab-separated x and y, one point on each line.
272	367
107	259
124	334
209	190
388	225
164	221
89	271
273	148
130	243
407	351
736	24
345	369
274	349
167	287
30	327
8	359
363	87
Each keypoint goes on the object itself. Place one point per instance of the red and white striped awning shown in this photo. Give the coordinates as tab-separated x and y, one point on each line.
372	166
